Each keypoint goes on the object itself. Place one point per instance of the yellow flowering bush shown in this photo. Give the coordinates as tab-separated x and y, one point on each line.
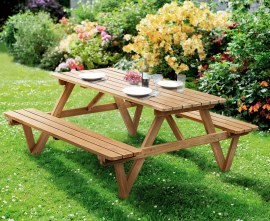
174	38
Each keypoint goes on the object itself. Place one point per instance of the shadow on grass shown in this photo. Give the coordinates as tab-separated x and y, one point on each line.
75	184
257	186
201	161
184	196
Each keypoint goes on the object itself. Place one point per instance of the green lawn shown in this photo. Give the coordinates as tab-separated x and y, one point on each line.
66	183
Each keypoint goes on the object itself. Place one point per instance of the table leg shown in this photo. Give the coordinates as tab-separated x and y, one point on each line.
126	116
43	138
175	129
210	128
230	154
153	131
125	182
137	116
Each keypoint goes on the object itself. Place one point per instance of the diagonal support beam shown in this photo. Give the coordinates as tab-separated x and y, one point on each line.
43	138
210	128
29	137
230	154
175	129
126	116
137	116
125	182
95	100
153	131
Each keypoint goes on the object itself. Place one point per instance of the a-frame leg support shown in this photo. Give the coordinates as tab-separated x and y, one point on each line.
224	164
43	138
230	155
131	124
125	182
30	138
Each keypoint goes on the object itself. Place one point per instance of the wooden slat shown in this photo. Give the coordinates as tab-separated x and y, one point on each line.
95	109
190	142
63	136
71	138
223	122
117	83
174	146
115	91
85	131
191	94
186	100
76	132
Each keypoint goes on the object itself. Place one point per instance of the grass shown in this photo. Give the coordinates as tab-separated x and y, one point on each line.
66	183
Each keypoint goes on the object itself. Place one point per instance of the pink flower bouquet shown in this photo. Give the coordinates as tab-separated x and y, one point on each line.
133	77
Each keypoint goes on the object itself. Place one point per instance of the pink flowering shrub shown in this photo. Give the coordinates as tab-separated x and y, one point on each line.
70	64
90	42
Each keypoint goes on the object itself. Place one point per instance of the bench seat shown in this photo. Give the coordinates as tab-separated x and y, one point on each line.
222	122
90	141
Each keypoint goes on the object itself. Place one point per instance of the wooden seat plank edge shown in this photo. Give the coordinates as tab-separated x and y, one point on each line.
87	132
232	125
63	136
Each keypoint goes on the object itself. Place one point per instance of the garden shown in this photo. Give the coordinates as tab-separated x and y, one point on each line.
224	53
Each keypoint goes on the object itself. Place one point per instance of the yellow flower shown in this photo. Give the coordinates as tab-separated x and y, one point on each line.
168	34
127	37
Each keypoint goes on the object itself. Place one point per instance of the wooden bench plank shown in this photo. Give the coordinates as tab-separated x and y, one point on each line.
76	132
94	144
85	131
222	122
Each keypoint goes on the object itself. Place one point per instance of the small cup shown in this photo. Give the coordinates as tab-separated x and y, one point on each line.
181	79
145	79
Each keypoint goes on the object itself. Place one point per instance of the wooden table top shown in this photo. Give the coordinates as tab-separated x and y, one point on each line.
167	100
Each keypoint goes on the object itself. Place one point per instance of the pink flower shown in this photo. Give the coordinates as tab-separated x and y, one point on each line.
106	37
70	61
103	33
133	77
101	28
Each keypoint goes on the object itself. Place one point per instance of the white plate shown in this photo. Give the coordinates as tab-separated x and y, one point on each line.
137	91
92	75
170	84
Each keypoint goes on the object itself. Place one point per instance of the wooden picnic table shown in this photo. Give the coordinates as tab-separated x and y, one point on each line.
191	104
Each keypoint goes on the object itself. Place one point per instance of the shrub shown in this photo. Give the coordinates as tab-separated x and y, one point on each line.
50	6
175	39
92	44
51	58
84	11
124	19
242	75
30	35
120	16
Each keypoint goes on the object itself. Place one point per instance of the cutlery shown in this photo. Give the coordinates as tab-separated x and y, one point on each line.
148	97
97	81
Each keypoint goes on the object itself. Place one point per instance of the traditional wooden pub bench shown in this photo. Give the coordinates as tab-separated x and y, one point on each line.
190	104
